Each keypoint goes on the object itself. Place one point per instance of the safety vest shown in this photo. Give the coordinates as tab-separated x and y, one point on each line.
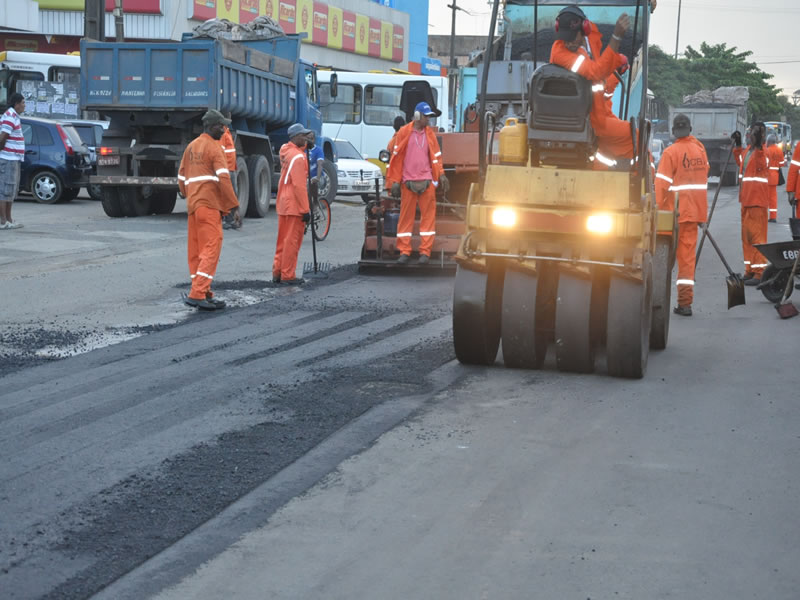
203	177
753	176
683	174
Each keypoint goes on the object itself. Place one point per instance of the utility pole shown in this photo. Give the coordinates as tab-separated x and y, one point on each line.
451	70
119	24
94	20
678	30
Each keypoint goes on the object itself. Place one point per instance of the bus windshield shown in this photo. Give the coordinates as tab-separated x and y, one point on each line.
9	79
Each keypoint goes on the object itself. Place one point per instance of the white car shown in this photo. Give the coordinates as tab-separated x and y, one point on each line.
356	176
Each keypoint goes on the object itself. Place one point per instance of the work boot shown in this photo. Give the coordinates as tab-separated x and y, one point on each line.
747	276
276	279
403	259
202	304
216	302
424	259
684	311
296	281
753	280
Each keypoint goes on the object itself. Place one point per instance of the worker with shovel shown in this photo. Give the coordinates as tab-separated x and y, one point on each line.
681	184
754	198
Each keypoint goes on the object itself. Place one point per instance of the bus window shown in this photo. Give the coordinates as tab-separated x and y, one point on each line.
9	79
345	108
382	104
64	75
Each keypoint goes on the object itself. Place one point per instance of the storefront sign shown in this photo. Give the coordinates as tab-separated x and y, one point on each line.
147	7
228	9
248	10
349	31
335	15
431	66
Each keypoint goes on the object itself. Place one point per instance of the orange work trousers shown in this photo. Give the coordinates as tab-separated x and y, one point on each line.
773	202
205	244
754	231
613	137
290	238
427	220
685	255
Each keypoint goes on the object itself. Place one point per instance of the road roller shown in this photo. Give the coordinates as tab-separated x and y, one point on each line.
565	250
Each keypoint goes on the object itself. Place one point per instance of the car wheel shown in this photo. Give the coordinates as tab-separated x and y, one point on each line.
46	187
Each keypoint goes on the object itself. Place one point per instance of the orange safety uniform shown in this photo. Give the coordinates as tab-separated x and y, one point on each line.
792	179
390	145
229	149
776	161
409	199
613	135
754	198
291	204
683	174
204	181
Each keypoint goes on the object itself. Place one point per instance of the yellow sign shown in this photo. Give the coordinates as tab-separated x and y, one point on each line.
362	34
270	8
228	9
305	18
335	15
387	33
61	5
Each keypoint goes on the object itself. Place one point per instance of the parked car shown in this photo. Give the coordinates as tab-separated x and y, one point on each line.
91	133
56	164
656	149
356	176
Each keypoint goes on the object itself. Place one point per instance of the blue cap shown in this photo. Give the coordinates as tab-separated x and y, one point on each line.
424	108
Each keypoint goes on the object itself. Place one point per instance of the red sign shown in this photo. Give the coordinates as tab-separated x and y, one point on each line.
147	7
348	31
287	15
248	10
398	43
319	34
203	9
374	37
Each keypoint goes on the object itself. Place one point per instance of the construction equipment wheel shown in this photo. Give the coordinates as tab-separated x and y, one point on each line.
663	261
573	332
775	280
630	309
162	202
110	201
133	202
477	299
260	174
242	186
524	344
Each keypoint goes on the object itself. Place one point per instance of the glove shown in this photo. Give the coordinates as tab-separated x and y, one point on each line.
445	183
624	66
237	218
395	190
736	138
791	197
307	217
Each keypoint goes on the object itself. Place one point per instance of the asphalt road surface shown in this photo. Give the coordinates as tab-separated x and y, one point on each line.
322	442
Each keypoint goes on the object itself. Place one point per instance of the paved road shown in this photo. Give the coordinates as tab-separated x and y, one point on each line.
324	443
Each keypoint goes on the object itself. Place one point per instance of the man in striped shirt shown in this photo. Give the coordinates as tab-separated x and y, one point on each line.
12	153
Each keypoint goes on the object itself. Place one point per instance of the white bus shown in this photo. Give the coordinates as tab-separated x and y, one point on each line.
366	105
36	66
782	131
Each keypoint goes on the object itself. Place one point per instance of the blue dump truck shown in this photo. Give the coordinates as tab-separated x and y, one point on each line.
154	95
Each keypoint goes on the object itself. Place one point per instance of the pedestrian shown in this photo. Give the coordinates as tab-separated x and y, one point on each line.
12	153
776	161
396	125
292	206
793	182
204	180
416	164
229	148
315	156
754	198
681	185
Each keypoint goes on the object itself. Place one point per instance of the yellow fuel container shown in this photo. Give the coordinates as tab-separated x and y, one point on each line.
513	143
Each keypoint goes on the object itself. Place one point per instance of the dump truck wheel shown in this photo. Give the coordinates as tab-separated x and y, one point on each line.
133	202
477	298
524	345
260	186
110	202
630	303
662	293
162	202
242	186
574	348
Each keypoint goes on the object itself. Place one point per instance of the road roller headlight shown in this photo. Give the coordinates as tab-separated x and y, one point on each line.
601	224
504	217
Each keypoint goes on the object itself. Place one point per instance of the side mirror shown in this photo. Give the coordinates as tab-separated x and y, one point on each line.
384	156
334	85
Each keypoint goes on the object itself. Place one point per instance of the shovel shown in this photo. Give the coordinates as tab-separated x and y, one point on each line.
787	310
713	206
733	281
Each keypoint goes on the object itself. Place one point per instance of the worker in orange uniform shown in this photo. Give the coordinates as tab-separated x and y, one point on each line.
793	182
579	48
292	206
229	148
416	163
754	198
681	182
776	161
204	180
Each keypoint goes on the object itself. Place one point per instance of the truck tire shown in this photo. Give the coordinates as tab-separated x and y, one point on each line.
328	181
260	186
162	202
69	194
133	202
111	203
242	185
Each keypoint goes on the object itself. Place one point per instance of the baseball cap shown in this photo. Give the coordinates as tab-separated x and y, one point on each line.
570	21
297	129
214	116
681	125
424	108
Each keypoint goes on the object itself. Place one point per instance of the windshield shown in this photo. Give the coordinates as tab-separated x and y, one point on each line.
73	136
345	149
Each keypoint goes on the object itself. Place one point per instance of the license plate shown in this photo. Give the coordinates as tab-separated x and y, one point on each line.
365	183
107	161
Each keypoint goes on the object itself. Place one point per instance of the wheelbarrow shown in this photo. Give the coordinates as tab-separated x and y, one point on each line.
776	275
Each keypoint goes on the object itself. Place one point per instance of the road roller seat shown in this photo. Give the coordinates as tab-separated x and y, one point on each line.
559	128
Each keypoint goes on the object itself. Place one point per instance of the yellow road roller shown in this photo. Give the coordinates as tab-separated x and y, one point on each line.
565	249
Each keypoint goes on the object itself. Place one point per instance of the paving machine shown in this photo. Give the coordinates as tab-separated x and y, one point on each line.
560	252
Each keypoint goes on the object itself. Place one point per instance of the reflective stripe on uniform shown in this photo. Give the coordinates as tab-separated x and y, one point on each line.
291	164
578	63
205	275
760	266
685	282
202	178
688	186
438	154
229	150
664	177
795	163
223	172
598	87
427	233
403	235
181	178
758	179
609	162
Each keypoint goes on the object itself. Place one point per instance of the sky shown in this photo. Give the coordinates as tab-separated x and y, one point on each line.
774	44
